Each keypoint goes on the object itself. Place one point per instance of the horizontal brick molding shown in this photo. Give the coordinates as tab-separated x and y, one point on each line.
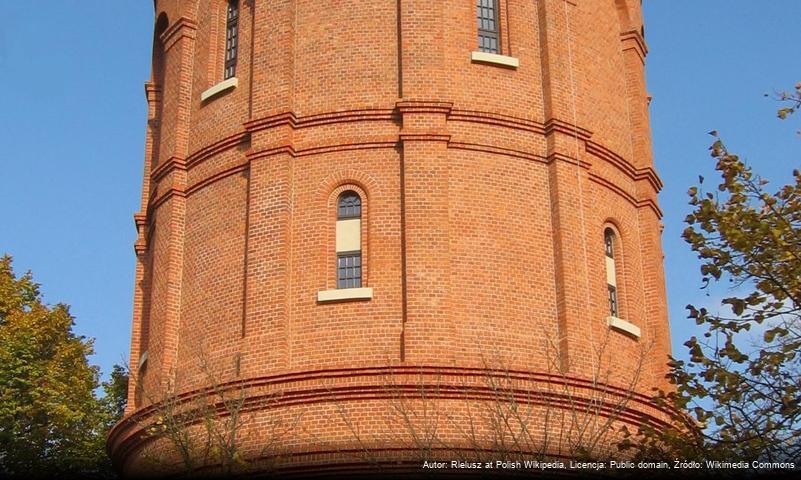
632	39
289	118
344	386
183	27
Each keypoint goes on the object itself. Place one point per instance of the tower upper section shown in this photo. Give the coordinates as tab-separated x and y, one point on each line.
574	61
335	188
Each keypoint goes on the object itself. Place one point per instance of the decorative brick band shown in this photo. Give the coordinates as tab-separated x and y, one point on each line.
633	40
439	383
328	118
168	166
646	203
216	177
648	173
183	27
467	116
489	118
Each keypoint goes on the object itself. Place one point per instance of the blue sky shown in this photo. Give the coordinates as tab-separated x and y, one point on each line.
73	120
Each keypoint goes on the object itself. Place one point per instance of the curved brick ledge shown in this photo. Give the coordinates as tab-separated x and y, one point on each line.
387	115
387	383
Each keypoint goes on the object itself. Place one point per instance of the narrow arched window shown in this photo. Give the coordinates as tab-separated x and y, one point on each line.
231	38
349	240
611	275
488	38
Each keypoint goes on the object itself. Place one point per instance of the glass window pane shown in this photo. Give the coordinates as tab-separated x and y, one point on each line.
349	270
231	36
349	205
487	15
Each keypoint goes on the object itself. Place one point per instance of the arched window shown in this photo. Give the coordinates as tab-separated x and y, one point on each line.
349	205
231	38
349	240
611	275
488	20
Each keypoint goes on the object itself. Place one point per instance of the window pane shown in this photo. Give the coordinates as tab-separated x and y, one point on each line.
349	270
349	205
487	15
231	35
609	239
612	301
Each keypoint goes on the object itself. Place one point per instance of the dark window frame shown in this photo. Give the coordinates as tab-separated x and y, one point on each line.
609	242
349	269
349	205
610	237
231	38
613	302
349	275
488	16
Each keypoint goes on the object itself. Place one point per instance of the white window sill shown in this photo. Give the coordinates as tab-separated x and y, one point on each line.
494	58
219	88
340	294
623	326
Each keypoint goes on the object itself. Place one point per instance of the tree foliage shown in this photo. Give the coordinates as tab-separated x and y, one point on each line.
115	394
50	420
742	383
791	102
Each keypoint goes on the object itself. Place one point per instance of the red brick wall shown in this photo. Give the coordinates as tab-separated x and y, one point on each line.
484	208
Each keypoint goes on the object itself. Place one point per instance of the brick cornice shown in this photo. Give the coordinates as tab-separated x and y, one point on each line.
140	247
327	118
171	192
216	177
643	203
271	152
175	163
290	150
183	27
556	156
649	174
151	88
219	146
621	163
489	118
637	174
649	203
557	125
633	40
171	164
140	219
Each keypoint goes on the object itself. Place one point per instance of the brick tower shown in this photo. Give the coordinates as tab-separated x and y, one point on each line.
381	224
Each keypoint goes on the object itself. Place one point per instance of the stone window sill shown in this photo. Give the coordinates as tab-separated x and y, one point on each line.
223	86
495	59
623	326
342	294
